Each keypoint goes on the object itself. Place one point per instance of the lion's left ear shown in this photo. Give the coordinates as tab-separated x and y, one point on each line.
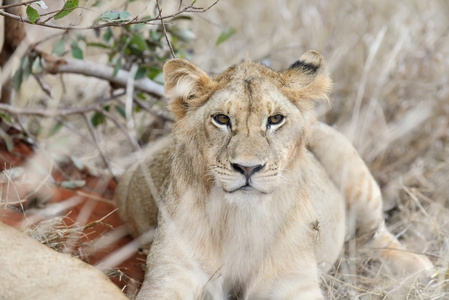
308	78
185	86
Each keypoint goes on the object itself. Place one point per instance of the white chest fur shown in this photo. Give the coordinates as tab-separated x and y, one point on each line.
250	234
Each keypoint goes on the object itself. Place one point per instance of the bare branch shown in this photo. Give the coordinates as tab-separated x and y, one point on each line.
188	9
56	65
57	112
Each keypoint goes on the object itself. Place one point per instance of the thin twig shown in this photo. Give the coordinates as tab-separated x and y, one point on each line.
82	12
15	189
165	32
100	221
207	8
146	7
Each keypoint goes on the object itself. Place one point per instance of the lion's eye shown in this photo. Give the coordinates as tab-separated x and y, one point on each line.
222	119
275	120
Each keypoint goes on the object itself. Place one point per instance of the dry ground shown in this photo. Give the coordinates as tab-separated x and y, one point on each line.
390	66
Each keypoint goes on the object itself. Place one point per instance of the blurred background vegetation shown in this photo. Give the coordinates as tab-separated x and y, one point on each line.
85	82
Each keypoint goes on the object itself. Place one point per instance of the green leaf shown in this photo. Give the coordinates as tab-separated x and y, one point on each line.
139	26
139	41
117	67
32	14
17	79
26	68
124	15
115	16
155	36
226	34
59	48
36	68
188	18
76	50
153	72
6	117
73	184
141	72
97	3
185	35
121	111
141	96
97	119
69	6
98	45
8	140
55	129
108	34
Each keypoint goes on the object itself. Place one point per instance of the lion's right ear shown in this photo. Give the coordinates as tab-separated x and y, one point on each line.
186	86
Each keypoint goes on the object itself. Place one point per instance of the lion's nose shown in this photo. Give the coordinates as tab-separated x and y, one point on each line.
247	170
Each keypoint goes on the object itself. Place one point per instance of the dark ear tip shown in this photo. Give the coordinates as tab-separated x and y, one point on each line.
309	62
306	67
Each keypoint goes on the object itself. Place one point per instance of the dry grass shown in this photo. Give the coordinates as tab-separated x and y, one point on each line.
390	65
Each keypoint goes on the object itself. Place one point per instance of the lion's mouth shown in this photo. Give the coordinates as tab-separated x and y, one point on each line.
246	188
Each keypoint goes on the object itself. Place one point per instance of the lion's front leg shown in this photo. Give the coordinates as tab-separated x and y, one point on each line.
172	272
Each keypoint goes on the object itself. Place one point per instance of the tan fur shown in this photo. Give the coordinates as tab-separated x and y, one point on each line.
216	238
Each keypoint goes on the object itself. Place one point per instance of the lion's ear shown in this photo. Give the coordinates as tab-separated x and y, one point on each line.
308	78
185	86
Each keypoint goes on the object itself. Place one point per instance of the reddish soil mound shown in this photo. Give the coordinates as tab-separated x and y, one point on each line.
90	213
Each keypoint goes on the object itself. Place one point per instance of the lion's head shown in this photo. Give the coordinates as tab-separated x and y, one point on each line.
245	128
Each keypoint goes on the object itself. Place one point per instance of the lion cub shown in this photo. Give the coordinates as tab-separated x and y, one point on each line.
250	195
